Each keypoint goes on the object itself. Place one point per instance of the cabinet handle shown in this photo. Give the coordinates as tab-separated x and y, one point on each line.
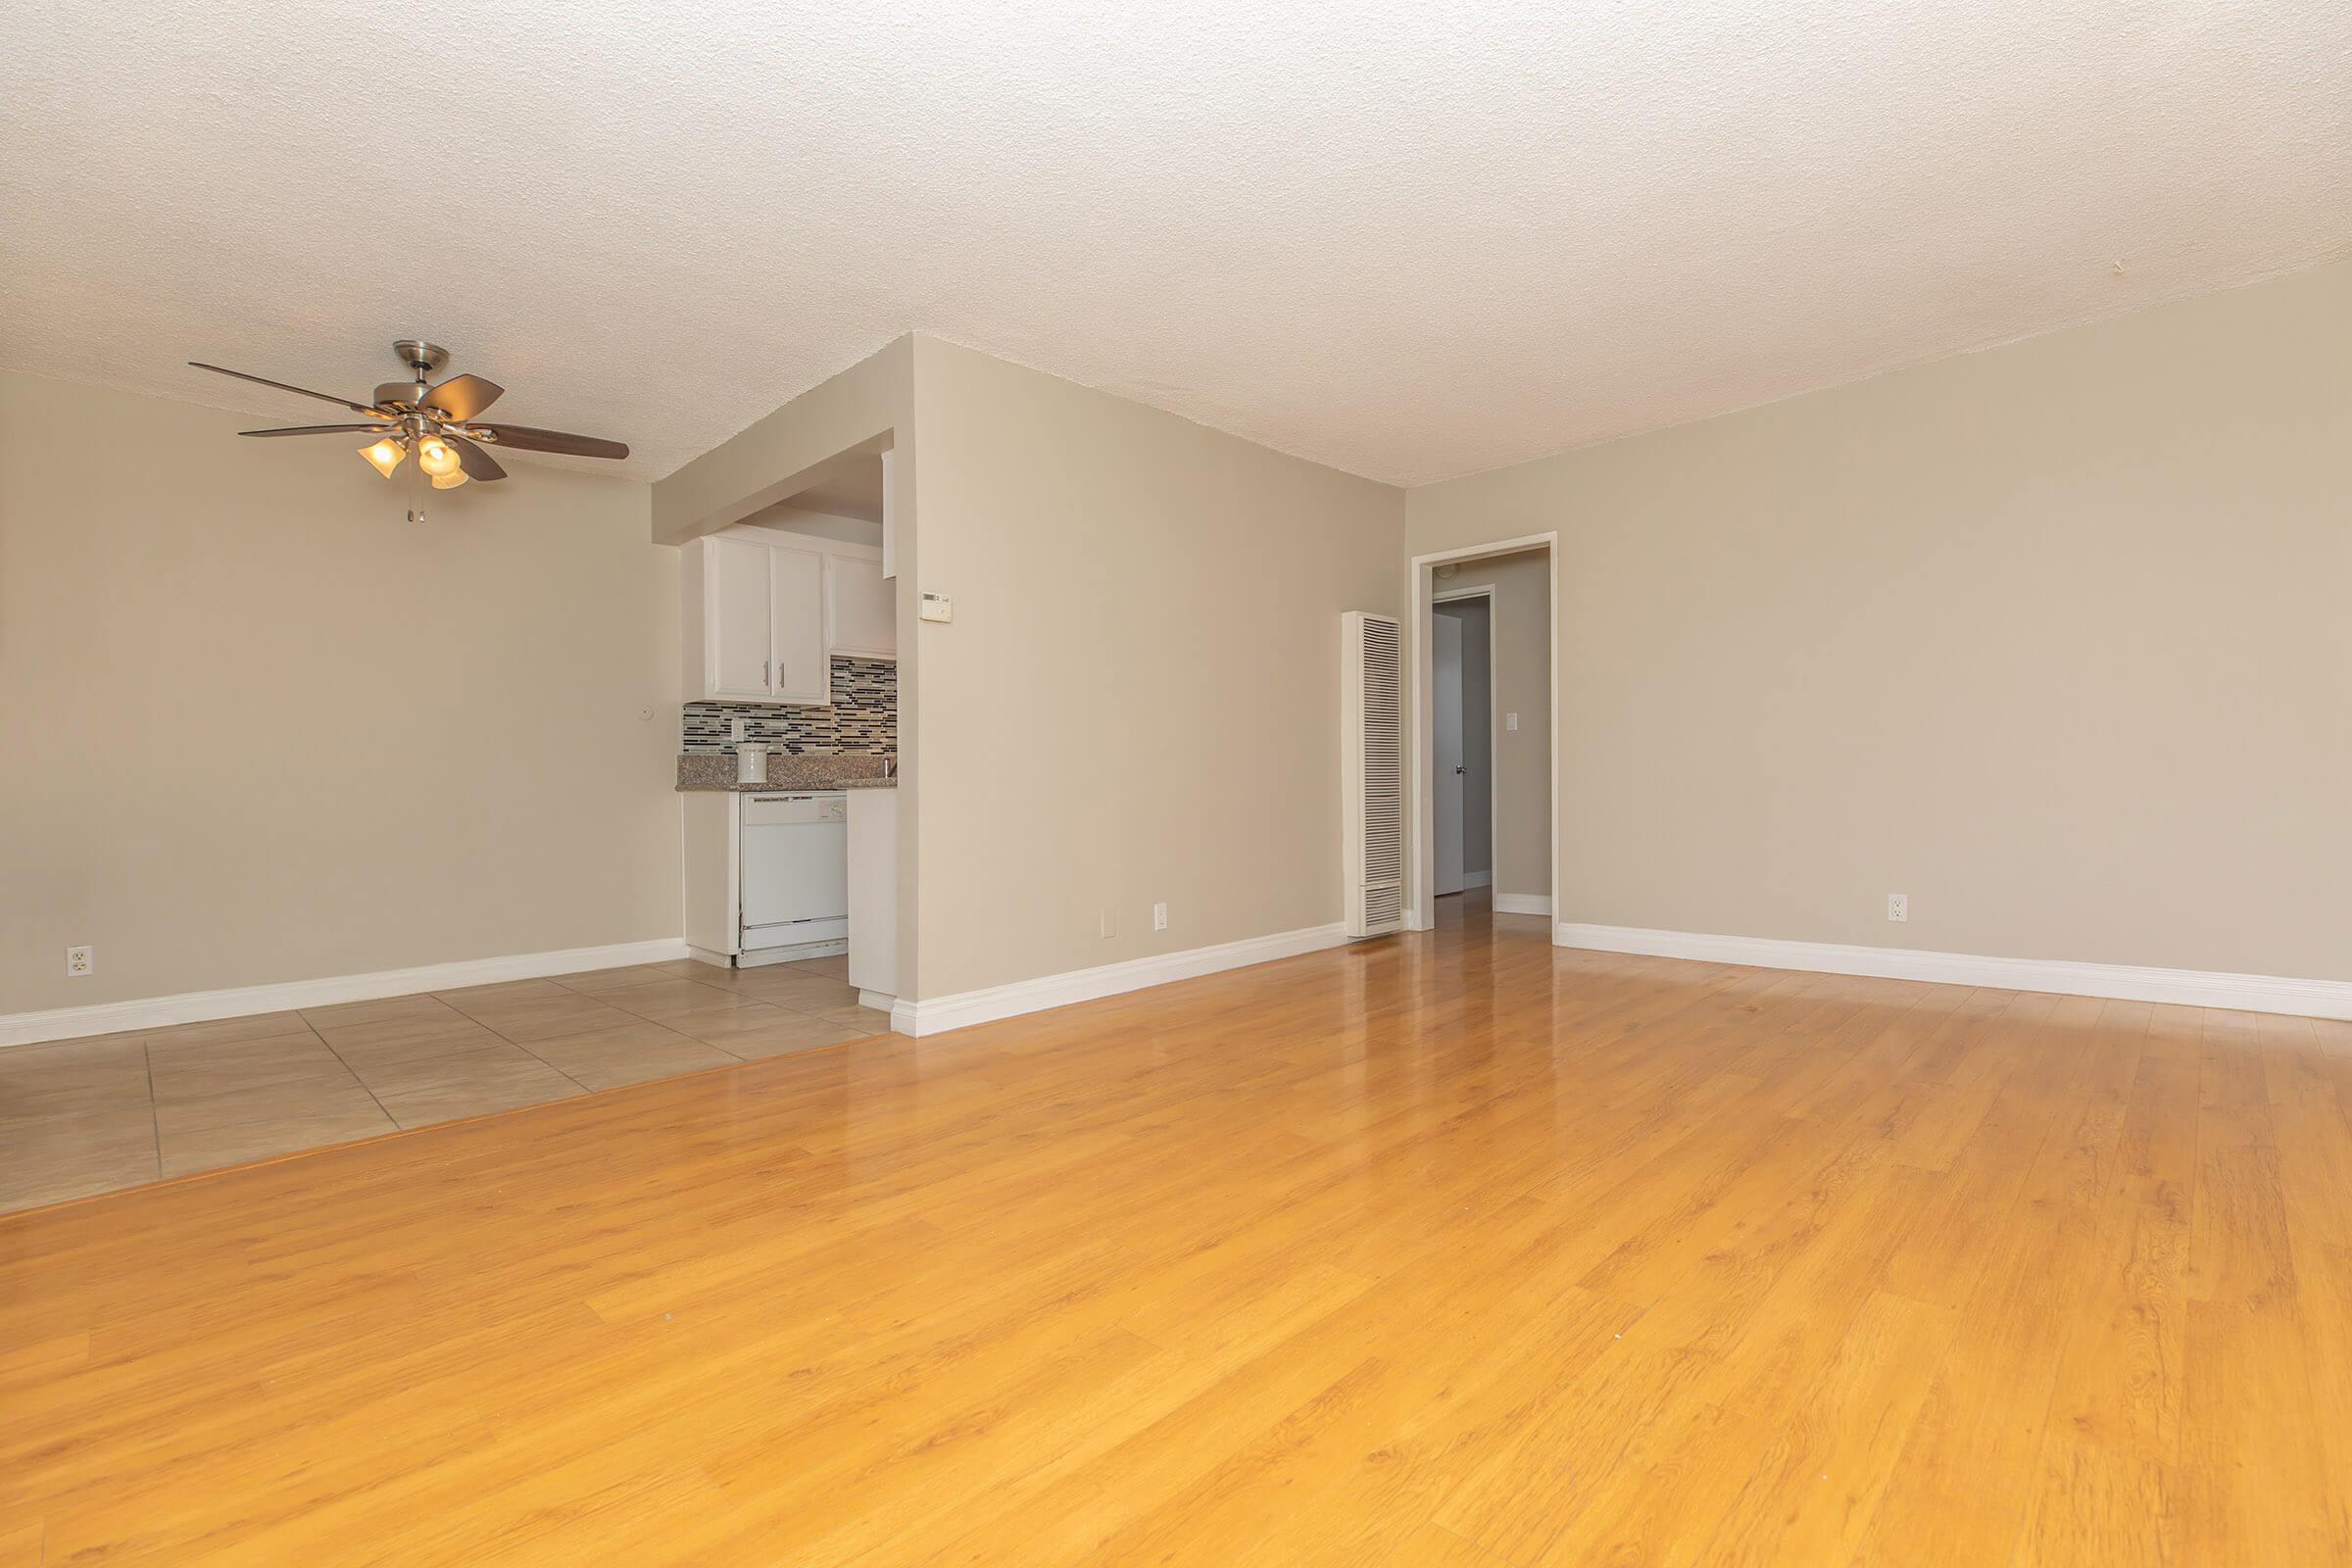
765	679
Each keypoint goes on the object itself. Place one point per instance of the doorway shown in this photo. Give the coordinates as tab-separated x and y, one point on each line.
1462	732
1517	581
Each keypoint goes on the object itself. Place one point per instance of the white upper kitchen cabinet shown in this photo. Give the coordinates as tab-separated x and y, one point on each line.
754	622
737	599
796	621
865	609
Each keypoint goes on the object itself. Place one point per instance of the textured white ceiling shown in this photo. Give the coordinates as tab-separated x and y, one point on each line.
1409	240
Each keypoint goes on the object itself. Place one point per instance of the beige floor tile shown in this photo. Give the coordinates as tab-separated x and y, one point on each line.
376	1011
446	1034
692	969
665	1000
187	1149
73	1076
592	981
466	998
780	1033
634	1053
232	1105
221	1031
546	1017
805	992
184	1072
48	1159
865	1020
716	1027
419	1093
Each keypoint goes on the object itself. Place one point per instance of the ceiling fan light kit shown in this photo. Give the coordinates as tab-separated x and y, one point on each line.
435	420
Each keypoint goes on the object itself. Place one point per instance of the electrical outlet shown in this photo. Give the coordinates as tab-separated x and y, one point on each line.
1898	905
80	961
1160	917
1108	922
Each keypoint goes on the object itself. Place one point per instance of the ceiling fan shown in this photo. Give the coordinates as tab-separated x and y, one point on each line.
440	423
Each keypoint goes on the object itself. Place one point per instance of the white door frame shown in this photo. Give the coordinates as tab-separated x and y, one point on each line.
1421	907
1455	596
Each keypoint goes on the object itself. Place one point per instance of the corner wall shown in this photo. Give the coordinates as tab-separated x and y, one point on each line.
256	727
1138	699
2052	638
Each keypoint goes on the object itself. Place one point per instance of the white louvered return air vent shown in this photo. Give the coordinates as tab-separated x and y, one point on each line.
1372	771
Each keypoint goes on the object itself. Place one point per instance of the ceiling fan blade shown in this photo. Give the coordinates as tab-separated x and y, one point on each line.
523	438
462	396
323	397
319	429
477	463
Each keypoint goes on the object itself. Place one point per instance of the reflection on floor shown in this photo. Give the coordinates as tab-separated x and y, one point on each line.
1441	1248
82	1116
1450	1248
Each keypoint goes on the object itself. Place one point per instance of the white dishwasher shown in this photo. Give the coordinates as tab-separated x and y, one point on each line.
796	869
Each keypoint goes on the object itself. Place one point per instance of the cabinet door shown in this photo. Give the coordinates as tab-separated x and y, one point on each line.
796	625
865	610
735	601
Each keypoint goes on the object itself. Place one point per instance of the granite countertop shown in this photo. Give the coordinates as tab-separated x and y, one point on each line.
716	770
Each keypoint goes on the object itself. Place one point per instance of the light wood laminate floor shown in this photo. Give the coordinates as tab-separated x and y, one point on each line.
83	1117
1453	1249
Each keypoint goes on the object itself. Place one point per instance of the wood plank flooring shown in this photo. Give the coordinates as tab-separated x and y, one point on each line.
1454	1250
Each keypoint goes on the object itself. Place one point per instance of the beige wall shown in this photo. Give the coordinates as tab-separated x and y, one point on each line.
256	727
1521	631
2053	638
1138	699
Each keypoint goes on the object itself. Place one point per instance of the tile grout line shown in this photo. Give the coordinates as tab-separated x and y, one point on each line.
542	1061
366	1087
551	1066
155	1116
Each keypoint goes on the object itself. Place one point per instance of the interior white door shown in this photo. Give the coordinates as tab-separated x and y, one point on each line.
736	609
865	609
796	625
1445	731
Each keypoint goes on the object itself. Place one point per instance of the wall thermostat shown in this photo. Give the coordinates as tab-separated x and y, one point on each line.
935	607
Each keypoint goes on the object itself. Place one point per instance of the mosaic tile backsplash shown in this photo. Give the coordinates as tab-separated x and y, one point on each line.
863	717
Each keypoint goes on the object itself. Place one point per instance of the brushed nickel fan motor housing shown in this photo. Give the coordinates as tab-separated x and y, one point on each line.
423	357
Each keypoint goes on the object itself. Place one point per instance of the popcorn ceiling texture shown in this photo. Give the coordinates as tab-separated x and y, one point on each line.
1410	241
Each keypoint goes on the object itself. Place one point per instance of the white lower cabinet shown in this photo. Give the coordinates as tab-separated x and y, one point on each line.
776	875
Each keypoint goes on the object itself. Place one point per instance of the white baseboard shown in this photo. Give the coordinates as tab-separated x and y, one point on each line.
1522	903
2195	988
968	1007
1477	879
203	1007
